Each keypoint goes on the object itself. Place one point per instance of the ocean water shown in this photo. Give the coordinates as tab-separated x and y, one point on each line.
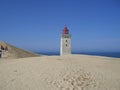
107	54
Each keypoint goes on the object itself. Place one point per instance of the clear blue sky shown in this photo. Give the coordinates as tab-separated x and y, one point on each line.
37	24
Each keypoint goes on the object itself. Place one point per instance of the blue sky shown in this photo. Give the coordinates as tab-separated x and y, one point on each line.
37	24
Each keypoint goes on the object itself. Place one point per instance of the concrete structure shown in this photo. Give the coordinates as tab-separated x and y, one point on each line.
65	47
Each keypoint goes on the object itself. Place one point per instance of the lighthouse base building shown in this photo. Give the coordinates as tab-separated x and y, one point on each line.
65	47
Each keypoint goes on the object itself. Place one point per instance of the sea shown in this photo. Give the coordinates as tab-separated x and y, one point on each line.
107	54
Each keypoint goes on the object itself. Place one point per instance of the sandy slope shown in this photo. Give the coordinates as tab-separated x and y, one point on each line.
15	52
74	72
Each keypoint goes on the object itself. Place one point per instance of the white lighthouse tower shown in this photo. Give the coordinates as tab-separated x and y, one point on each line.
65	47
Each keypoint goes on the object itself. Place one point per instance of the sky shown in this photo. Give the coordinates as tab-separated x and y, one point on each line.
36	25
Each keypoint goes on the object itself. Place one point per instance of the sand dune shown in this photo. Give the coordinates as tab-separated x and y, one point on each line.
73	72
15	52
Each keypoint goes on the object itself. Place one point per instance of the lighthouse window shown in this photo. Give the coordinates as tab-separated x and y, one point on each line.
66	45
66	36
66	40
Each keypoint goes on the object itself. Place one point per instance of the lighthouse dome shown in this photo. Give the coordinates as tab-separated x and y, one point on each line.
65	30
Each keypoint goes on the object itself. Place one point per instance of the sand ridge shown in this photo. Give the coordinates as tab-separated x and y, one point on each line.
14	52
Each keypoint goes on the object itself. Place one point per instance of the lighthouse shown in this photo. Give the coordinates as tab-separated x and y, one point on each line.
65	45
